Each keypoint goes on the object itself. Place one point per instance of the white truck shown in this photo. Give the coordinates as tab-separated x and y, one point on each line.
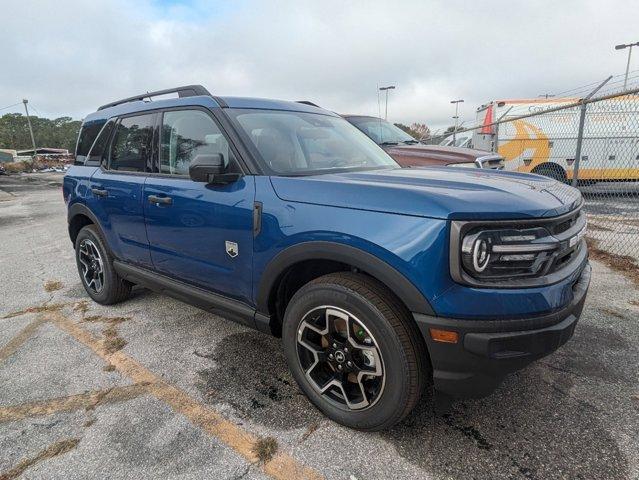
547	143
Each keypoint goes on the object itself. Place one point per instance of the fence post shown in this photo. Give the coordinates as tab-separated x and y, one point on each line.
496	141
580	132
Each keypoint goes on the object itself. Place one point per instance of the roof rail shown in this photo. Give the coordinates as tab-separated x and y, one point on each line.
306	102
186	91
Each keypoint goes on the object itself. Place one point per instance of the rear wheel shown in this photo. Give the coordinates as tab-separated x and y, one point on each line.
354	351
95	266
553	171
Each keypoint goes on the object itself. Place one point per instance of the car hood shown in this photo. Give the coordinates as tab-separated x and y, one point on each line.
435	192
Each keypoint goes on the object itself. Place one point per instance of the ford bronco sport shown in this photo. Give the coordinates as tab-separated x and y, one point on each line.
286	218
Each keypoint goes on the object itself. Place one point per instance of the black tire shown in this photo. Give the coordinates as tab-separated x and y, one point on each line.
114	289
406	367
553	171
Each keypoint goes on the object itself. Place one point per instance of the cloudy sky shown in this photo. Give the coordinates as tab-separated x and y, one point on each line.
68	57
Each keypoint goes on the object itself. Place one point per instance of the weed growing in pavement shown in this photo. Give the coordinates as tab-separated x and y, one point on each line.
54	307
52	285
265	449
51	451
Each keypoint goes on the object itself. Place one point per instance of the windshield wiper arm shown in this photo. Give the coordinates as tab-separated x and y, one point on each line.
384	144
411	142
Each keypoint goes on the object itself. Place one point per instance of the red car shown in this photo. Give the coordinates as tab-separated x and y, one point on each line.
409	152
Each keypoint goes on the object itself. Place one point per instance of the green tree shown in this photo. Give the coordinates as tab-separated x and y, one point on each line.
54	133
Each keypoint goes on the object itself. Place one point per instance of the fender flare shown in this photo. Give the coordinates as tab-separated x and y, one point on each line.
81	209
364	261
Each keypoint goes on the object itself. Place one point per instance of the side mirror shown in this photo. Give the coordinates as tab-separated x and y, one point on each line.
204	168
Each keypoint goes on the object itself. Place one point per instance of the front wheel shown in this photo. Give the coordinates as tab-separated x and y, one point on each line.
354	351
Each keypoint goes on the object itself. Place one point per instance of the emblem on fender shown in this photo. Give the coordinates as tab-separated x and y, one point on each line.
231	249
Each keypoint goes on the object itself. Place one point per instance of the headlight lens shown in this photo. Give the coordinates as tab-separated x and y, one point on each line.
506	253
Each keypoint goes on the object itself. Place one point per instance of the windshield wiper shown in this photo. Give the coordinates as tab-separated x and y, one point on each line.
410	142
385	144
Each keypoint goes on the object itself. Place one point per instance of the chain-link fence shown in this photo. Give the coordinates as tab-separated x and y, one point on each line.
591	142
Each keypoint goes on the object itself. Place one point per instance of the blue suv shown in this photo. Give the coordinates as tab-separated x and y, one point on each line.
284	217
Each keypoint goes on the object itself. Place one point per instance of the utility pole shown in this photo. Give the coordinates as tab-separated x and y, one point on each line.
629	47
26	109
386	89
456	117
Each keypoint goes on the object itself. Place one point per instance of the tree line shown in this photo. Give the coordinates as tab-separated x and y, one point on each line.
53	133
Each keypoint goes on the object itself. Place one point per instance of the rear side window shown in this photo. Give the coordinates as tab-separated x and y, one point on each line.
131	146
185	135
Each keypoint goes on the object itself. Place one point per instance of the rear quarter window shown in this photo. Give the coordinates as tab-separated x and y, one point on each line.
88	134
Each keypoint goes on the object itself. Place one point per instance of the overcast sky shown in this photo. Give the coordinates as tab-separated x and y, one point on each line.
68	57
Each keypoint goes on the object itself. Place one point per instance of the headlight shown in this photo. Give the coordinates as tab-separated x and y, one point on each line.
517	253
507	253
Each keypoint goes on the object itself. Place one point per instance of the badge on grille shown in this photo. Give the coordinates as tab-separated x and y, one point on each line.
231	249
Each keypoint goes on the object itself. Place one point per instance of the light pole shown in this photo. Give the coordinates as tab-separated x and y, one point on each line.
25	101
629	47
456	117
386	89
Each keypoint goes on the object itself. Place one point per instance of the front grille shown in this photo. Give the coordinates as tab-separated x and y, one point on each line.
566	231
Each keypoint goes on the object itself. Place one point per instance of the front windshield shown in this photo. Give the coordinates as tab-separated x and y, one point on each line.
381	131
462	141
298	143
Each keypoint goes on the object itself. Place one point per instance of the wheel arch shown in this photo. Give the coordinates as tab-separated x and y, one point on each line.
80	216
550	166
335	254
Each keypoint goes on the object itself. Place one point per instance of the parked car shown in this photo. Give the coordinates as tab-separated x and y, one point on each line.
3	171
286	218
409	152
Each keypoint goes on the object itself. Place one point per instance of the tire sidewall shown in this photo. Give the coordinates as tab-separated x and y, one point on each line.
90	232
394	397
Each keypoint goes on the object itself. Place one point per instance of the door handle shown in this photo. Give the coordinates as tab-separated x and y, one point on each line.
98	192
160	200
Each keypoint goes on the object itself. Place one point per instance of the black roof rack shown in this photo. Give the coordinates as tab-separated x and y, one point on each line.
186	91
306	102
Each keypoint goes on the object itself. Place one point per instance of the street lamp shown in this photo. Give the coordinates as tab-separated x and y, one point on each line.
386	89
456	117
629	47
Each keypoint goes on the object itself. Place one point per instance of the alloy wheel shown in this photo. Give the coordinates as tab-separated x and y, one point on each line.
340	358
91	265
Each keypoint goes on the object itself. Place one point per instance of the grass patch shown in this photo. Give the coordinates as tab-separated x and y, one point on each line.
54	307
53	285
624	264
51	451
108	320
265	449
112	340
601	228
82	307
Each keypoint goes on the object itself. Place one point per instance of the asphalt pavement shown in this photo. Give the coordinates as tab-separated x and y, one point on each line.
154	388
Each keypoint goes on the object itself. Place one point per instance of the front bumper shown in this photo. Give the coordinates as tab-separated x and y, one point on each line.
487	350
